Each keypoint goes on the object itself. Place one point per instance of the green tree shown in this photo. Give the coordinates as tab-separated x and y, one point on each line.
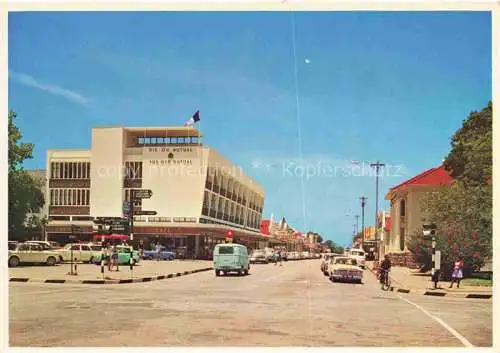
462	211
25	195
470	158
334	247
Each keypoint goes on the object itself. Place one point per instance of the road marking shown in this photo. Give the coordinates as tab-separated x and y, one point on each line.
450	329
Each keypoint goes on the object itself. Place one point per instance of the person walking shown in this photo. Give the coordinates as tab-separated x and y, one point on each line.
114	258
282	256
457	274
107	256
158	251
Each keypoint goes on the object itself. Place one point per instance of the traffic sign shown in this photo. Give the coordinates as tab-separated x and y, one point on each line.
145	213
143	194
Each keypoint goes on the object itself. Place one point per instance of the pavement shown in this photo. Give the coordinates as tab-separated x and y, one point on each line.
289	305
407	280
91	274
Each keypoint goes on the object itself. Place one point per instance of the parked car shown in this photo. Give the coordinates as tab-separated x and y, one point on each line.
80	252
271	255
326	262
258	256
164	254
46	245
359	255
123	256
13	245
231	258
30	253
344	268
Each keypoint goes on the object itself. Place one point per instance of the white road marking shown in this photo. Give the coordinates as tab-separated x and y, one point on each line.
450	329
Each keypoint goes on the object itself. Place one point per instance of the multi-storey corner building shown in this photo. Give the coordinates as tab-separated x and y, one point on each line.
198	194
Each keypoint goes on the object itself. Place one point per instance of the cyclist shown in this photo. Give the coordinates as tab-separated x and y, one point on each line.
385	266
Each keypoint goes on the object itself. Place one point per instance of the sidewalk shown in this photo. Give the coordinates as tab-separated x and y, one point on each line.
148	270
408	280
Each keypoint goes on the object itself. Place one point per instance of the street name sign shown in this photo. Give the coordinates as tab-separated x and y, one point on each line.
143	194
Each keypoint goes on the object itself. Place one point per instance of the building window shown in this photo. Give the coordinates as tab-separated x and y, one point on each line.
402	208
137	202
133	170
402	239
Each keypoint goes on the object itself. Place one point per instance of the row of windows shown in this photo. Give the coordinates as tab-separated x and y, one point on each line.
219	207
228	187
166	219
69	197
70	170
185	140
133	170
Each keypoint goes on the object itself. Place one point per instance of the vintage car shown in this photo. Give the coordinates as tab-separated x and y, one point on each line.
359	255
326	261
345	268
46	245
163	255
231	258
80	252
123	256
258	256
30	253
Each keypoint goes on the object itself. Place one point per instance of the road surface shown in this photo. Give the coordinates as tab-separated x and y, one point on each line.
293	305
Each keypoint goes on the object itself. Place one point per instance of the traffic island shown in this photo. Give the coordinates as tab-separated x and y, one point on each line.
146	271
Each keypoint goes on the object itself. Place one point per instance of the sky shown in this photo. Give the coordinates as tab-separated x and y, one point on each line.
292	98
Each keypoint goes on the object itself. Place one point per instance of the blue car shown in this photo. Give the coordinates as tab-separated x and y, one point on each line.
164	255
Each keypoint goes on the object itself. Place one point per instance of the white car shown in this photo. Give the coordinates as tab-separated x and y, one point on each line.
80	252
27	253
46	245
359	255
258	256
344	268
326	261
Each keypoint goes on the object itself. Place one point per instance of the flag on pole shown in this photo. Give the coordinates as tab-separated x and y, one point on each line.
193	120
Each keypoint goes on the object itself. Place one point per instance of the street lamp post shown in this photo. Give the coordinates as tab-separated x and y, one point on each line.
363	204
377	167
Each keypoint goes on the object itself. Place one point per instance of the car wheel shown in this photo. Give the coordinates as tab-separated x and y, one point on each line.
51	261
245	272
217	273
14	261
61	259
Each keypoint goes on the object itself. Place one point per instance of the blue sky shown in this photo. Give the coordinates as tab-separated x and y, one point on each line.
388	86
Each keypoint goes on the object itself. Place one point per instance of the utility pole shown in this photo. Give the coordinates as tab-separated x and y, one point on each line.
377	167
363	204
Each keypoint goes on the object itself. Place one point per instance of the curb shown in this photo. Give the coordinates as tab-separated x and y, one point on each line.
433	293
110	281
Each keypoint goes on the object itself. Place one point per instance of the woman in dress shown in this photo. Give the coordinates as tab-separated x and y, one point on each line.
457	274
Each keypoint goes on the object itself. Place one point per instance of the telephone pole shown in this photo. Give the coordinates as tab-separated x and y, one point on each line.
363	204
377	167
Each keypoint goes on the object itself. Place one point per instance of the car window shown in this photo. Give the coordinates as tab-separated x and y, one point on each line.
85	248
96	248
75	247
36	247
23	247
124	250
12	246
226	250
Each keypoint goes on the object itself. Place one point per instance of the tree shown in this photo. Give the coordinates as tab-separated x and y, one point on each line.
335	248
25	195
470	158
462	211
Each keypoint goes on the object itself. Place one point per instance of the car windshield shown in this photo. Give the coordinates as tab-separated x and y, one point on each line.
12	246
346	261
223	250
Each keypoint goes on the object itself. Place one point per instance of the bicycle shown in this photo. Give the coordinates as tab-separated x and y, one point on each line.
386	281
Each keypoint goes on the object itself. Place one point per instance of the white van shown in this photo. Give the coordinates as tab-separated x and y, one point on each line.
359	255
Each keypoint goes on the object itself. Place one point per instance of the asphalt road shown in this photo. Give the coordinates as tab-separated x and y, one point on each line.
293	305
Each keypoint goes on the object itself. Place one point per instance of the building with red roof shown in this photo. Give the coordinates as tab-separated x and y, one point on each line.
405	215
